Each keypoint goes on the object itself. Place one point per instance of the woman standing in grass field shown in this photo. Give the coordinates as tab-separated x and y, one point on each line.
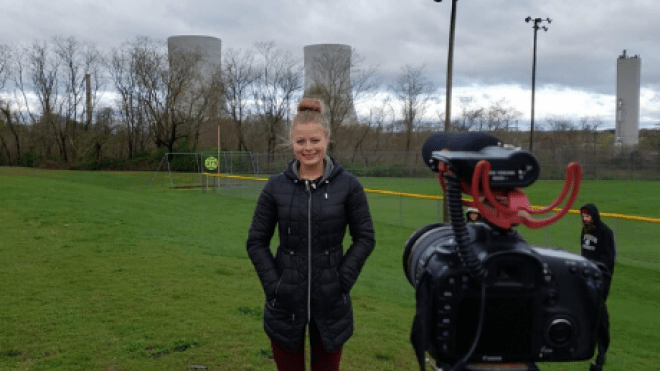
308	281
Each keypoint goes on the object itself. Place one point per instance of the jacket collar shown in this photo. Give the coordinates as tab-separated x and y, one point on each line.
332	168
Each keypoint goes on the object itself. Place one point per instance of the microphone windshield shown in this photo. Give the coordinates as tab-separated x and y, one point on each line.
455	141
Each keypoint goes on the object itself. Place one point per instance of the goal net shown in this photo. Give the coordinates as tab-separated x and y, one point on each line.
227	163
179	170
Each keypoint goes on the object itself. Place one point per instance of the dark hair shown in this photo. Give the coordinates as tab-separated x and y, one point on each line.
311	110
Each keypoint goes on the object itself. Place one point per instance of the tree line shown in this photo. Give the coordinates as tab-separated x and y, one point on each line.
65	103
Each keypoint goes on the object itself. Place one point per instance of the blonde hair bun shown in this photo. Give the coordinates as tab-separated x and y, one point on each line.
310	105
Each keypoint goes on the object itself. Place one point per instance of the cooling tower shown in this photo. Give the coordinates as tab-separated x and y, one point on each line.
208	48
328	67
627	99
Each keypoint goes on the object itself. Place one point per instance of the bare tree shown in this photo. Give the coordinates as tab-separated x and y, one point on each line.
152	75
49	78
37	87
172	90
7	124
472	117
10	124
559	133
589	128
5	66
278	83
369	134
500	116
413	90
102	131
123	67
6	115
195	91
239	73
77	60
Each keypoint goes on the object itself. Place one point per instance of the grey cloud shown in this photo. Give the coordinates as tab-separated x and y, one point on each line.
493	42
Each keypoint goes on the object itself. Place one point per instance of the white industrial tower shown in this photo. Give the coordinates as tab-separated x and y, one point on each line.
328	66
627	99
207	48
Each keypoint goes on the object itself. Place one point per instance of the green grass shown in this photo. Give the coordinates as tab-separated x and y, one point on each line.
101	271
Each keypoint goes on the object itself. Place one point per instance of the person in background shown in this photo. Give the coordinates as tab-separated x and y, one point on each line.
472	215
307	283
597	241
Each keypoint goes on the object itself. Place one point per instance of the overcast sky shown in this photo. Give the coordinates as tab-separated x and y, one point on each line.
576	57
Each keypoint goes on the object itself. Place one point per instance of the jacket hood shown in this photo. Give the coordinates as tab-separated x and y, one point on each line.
332	168
593	210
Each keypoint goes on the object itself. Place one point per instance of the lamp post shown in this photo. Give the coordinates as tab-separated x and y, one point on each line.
450	70
536	27
450	63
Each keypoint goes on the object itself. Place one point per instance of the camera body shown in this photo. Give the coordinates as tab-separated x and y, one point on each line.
483	294
540	305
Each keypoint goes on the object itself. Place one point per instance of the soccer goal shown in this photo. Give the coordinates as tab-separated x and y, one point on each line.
192	170
229	162
180	170
216	164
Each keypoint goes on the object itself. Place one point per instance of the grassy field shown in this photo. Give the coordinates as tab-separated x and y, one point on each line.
103	271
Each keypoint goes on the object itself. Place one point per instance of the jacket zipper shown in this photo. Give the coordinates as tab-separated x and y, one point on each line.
309	253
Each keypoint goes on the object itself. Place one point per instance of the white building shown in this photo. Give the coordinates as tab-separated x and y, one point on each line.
329	66
627	99
205	48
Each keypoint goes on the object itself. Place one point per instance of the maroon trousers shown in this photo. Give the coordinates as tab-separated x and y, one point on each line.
322	360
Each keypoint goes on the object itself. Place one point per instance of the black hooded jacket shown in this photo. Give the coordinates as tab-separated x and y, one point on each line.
598	244
310	276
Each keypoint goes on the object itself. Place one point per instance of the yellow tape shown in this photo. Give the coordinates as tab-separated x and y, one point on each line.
430	197
236	177
403	194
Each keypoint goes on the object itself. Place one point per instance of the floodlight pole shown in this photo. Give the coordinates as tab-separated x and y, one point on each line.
450	71
536	28
450	64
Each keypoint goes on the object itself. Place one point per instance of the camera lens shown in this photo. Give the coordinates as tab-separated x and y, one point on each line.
422	245
560	332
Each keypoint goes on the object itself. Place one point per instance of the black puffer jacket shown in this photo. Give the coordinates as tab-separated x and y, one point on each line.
311	218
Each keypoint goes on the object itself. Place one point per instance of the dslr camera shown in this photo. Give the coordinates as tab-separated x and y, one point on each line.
483	295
